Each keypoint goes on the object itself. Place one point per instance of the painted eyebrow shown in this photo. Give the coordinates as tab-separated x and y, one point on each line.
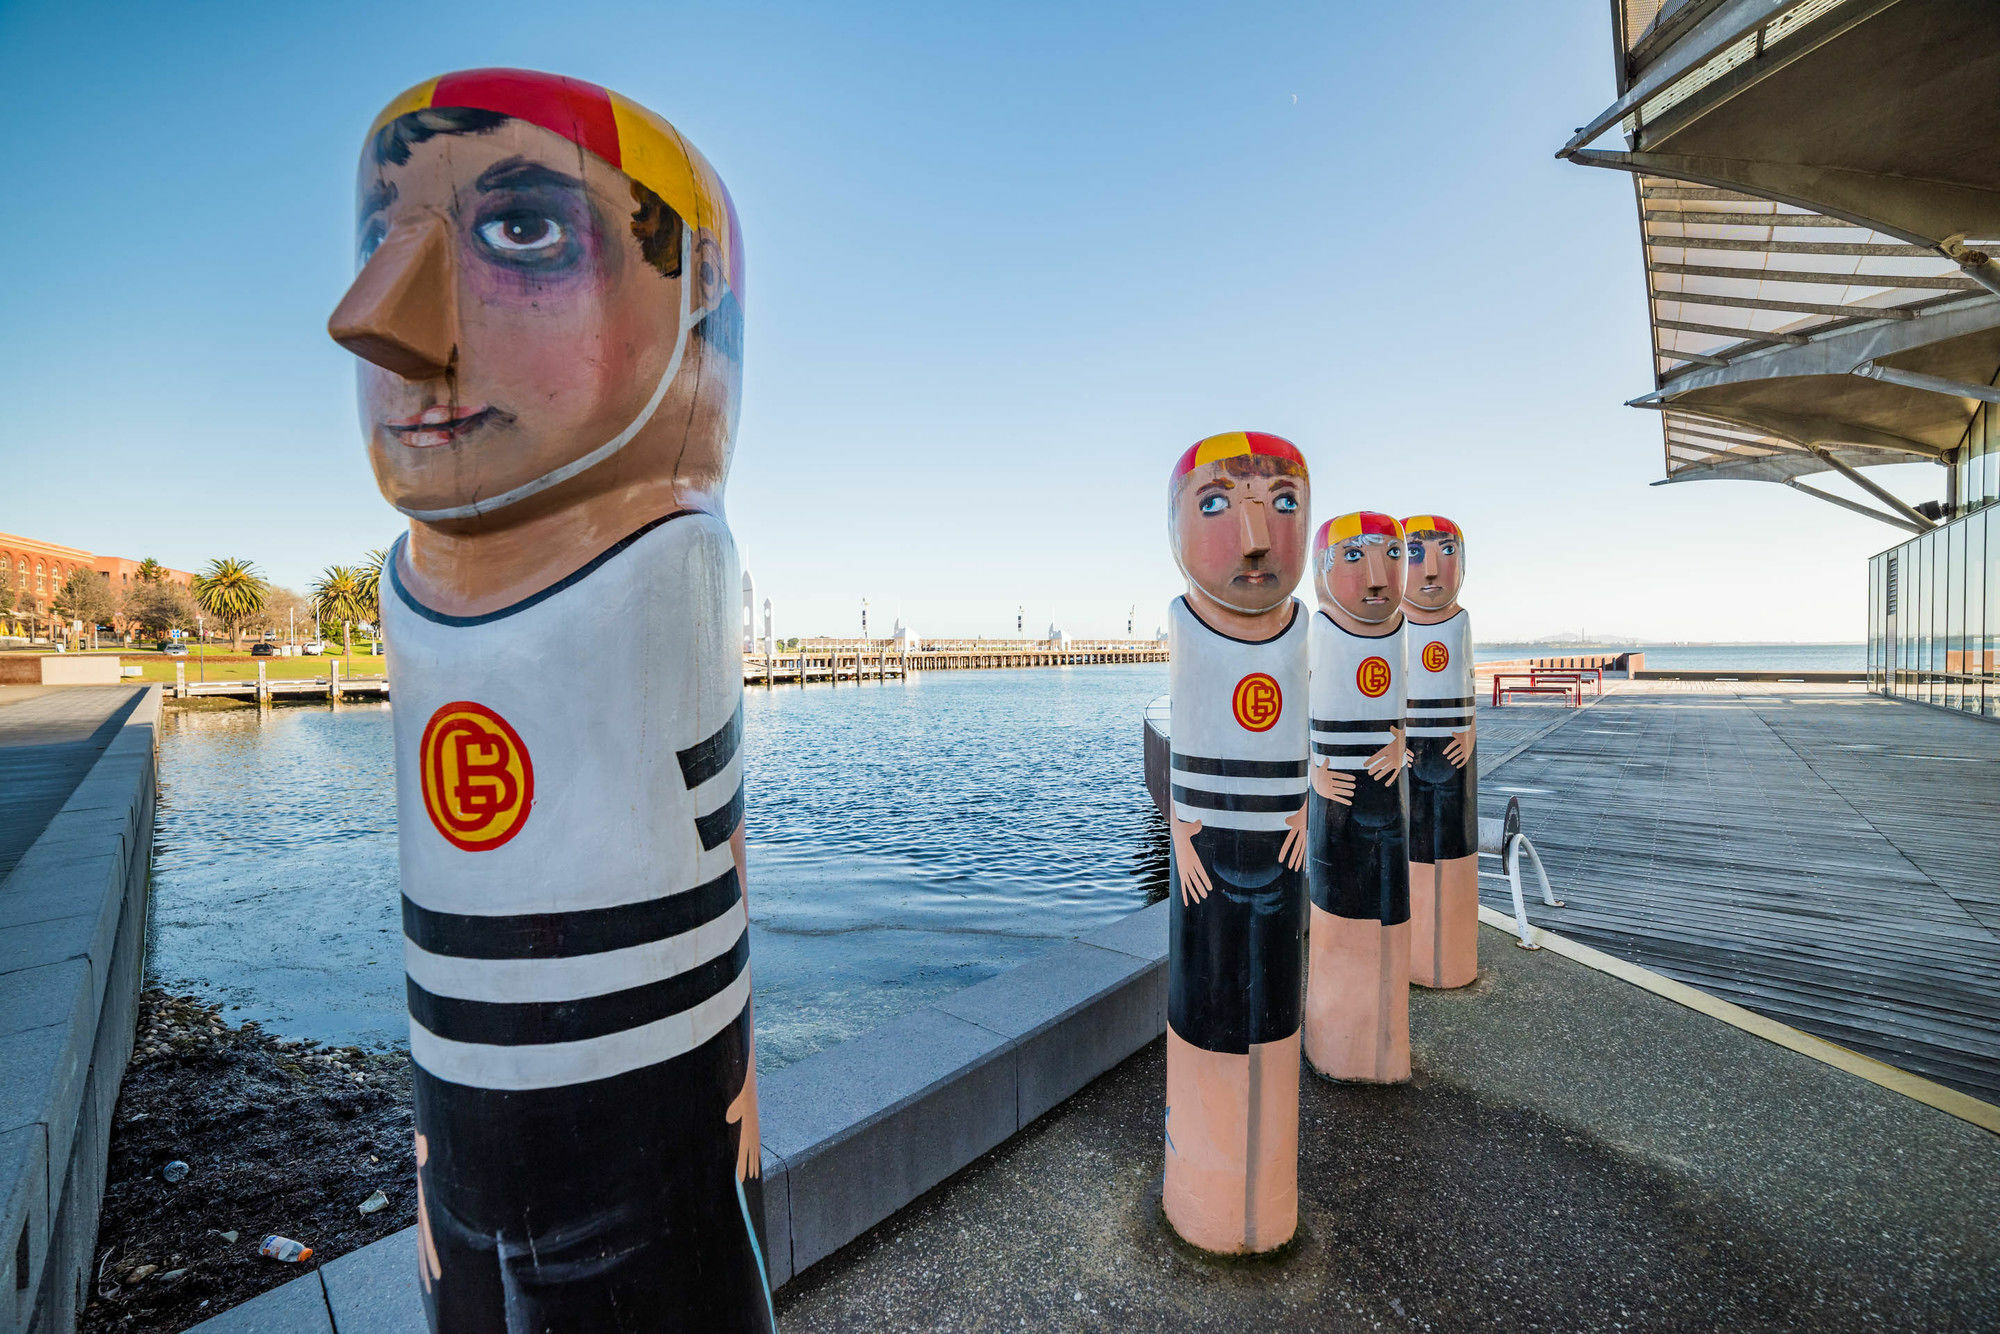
379	196
517	173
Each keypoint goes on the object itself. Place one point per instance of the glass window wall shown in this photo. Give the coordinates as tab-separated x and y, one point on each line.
1934	616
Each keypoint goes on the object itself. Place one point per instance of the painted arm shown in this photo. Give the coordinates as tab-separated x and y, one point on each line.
1293	850
743	1107
1336	785
1459	749
1387	762
1194	877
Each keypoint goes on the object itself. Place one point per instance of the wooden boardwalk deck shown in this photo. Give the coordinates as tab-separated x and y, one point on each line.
1821	855
49	738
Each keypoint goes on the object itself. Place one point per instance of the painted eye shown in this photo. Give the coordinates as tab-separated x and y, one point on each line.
1214	504
1350	555
1447	548
525	235
1286	504
1395	552
371	241
1416	551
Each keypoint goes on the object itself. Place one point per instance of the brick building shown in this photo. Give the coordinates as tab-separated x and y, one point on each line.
35	570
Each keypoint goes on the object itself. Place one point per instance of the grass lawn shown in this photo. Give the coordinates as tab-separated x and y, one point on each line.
227	666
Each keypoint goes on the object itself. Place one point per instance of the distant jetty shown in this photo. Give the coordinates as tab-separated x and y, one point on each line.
835	660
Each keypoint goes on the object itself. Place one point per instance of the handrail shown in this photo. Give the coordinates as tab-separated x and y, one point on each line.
1502	838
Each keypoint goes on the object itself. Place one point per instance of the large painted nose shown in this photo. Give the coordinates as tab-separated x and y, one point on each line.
1256	529
1377	565
402	311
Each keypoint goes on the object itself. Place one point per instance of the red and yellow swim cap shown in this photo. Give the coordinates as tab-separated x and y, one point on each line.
1432	523
1237	444
616	129
1354	525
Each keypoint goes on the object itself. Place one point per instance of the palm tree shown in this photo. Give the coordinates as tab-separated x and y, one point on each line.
151	571
336	596
370	583
232	592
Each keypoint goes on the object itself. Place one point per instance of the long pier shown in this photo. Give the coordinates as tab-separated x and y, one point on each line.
264	689
814	661
835	660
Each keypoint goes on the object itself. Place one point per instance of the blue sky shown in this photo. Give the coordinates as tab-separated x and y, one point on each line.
1003	266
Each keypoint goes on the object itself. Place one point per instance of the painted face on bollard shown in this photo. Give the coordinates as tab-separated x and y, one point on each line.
1238	515
1435	562
1358	566
537	325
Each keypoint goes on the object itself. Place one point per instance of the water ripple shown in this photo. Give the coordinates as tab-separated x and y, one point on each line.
905	840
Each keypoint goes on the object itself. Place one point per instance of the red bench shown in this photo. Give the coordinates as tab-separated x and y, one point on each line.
1537	683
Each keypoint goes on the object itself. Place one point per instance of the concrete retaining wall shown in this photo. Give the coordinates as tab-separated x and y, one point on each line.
72	946
858	1131
60	669
1823	678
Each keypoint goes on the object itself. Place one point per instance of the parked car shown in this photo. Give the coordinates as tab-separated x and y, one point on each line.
173	648
262	650
315	649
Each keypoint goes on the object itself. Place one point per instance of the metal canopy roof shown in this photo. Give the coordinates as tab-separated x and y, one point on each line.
1814	181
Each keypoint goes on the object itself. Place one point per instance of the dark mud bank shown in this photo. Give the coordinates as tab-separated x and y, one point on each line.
282	1137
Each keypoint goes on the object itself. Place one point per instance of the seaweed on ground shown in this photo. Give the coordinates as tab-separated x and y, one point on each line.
278	1136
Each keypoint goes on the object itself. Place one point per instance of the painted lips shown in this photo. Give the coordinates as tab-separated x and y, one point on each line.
438	425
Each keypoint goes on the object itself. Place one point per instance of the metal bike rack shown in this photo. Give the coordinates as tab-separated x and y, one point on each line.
1502	838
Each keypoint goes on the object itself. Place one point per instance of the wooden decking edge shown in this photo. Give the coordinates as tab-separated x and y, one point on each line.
1947	1100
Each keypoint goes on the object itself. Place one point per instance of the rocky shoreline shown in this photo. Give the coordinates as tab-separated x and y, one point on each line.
276	1136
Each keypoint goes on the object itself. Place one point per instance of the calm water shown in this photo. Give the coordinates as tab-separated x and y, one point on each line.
1714	657
905	841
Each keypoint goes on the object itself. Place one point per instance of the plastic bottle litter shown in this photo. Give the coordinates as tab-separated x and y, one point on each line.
175	1171
375	1203
284	1248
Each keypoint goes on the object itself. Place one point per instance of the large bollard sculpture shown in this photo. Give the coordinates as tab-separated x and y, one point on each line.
1358	969
547	307
1444	773
1237	515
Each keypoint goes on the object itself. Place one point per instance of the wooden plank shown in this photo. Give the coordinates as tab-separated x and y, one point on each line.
1814	853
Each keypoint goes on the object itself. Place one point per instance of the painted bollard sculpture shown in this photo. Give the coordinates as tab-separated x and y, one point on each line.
1358	962
547	309
1237	516
1444	773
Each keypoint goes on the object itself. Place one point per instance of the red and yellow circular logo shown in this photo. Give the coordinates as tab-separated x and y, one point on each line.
478	781
1257	702
1372	677
1436	655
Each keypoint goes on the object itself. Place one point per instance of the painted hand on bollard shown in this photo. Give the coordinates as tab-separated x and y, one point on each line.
1293	850
743	1111
1194	877
429	1268
1387	762
1459	749
1331	783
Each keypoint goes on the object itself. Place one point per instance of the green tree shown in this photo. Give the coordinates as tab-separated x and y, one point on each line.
86	596
151	571
155	608
232	592
337	596
369	585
